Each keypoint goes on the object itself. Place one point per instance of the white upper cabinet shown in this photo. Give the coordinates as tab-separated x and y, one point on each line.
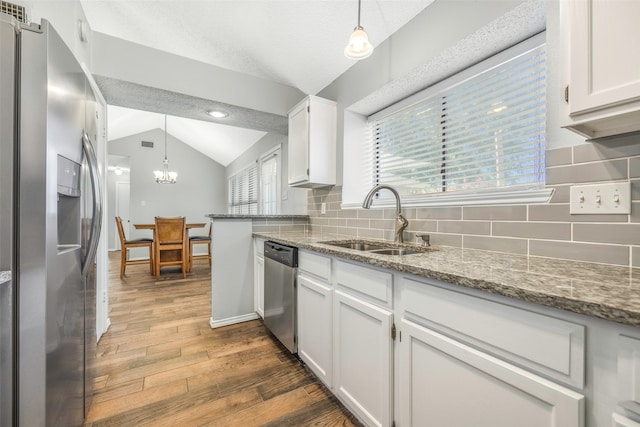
602	66
312	143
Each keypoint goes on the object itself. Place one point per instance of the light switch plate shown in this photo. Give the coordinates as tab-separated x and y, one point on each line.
614	198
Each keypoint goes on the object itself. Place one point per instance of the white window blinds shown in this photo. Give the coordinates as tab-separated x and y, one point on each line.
243	191
484	133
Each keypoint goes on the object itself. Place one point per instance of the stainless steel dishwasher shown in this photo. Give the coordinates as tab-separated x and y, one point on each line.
280	268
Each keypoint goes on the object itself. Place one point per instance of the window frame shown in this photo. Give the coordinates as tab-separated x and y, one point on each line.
275	152
358	178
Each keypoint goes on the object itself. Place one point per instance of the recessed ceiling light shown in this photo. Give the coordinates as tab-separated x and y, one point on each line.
218	114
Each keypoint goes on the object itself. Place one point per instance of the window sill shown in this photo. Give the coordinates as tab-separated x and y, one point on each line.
469	199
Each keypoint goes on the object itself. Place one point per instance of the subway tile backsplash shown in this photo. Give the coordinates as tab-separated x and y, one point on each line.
547	230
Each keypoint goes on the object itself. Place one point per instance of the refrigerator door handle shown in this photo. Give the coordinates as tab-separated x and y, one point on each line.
96	221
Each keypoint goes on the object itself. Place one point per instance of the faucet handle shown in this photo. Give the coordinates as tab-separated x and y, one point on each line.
425	239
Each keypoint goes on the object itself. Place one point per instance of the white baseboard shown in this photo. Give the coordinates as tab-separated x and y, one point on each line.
106	329
232	320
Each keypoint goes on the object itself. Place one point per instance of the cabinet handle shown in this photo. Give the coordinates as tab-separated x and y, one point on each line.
566	94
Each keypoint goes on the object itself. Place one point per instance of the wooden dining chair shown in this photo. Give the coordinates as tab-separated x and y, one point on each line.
170	236
125	245
200	240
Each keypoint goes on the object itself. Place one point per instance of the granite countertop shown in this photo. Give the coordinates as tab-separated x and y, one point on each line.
598	290
241	216
5	276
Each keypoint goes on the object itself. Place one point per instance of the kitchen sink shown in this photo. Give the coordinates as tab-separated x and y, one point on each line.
396	251
358	246
377	248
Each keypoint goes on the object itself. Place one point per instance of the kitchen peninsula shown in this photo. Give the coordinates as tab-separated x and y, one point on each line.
232	293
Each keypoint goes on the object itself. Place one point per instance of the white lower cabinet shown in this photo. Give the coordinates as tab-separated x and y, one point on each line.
443	382
362	345
315	326
460	358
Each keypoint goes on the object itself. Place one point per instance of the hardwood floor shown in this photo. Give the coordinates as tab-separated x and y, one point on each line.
161	364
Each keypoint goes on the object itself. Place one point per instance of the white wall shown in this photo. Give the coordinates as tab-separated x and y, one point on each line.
200	189
294	200
64	15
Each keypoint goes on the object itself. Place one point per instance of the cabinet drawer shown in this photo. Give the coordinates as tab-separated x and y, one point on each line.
317	265
365	281
550	346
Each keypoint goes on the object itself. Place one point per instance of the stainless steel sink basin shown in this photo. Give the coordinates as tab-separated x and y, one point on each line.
396	251
358	246
376	248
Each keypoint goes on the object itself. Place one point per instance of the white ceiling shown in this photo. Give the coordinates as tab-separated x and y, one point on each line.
219	142
299	43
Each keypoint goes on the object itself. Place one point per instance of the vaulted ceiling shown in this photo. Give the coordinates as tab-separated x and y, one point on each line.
298	43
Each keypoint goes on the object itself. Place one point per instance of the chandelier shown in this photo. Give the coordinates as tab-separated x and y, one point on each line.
164	176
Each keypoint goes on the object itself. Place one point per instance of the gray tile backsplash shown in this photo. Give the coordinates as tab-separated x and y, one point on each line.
533	230
499	244
547	230
607	254
634	167
561	156
610	170
610	148
505	213
607	233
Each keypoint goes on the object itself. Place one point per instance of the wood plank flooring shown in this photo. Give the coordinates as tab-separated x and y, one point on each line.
161	364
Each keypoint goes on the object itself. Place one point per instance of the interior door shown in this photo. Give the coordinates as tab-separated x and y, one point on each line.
122	209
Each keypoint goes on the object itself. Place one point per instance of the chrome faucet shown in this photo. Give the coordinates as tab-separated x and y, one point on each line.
401	221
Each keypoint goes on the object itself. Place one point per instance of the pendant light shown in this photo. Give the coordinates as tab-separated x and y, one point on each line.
359	46
164	176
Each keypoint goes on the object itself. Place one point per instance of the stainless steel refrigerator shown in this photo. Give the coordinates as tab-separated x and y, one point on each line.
50	217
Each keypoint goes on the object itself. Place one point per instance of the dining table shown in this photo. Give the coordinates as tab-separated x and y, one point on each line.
188	226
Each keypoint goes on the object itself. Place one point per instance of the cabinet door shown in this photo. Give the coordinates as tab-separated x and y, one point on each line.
443	382
258	284
315	327
363	358
604	64
299	144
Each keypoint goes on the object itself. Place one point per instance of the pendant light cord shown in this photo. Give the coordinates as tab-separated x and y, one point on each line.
359	1
165	137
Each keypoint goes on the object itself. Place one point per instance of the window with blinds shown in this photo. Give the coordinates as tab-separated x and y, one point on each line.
243	191
270	182
485	133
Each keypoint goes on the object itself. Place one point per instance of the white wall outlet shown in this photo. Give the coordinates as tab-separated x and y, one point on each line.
143	203
612	198
323	208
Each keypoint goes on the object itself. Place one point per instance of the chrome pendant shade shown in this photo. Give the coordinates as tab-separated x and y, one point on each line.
164	176
359	46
